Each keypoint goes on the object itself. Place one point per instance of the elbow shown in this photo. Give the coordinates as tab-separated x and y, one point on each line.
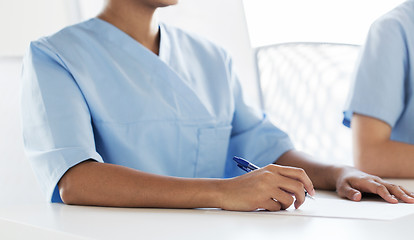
72	184
66	197
67	190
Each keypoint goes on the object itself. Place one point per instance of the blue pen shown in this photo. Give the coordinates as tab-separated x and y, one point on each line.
248	167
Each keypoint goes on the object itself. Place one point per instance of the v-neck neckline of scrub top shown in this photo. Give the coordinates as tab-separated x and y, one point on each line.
146	57
113	34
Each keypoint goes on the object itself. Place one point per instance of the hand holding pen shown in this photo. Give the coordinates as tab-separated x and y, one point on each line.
273	188
248	167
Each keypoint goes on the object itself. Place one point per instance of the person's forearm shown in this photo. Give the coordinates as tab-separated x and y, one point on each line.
386	159
322	175
102	184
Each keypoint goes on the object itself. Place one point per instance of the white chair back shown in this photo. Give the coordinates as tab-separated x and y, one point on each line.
304	87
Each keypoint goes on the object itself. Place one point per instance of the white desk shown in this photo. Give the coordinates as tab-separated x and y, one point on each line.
59	221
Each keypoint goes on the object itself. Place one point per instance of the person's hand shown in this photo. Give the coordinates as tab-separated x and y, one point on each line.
273	188
351	183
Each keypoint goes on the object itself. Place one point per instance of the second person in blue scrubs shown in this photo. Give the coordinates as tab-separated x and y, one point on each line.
381	102
121	110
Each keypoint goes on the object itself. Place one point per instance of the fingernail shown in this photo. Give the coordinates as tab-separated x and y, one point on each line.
408	196
312	192
355	196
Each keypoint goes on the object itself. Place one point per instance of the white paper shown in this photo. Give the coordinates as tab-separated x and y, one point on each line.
327	205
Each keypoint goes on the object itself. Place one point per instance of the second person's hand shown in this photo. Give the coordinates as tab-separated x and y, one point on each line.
351	183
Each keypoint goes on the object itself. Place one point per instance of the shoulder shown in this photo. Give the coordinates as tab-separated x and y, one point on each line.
75	31
399	19
67	44
65	38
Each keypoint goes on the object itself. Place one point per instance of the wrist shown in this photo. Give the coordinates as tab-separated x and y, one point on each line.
214	193
336	173
220	192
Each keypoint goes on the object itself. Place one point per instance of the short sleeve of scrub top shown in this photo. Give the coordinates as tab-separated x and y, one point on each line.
378	89
57	129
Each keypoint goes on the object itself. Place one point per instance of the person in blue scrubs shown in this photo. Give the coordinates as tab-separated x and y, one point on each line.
121	110
381	101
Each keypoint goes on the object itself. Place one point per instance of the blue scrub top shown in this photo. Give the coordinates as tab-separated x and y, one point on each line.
92	92
384	79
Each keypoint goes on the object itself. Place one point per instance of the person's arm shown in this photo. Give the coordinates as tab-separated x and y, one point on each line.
102	184
347	181
375	153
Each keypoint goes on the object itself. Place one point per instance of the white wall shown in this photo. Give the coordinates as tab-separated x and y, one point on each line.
24	20
17	181
340	21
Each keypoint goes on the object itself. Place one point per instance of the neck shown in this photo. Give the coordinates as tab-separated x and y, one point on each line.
135	19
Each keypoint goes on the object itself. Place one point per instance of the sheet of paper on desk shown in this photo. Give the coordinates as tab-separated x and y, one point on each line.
328	206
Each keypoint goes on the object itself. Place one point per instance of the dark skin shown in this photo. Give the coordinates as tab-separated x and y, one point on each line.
274	187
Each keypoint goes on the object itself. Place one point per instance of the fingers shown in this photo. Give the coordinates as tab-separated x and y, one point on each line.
372	186
399	192
410	194
294	173
352	182
293	187
346	191
293	181
285	199
256	189
271	205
